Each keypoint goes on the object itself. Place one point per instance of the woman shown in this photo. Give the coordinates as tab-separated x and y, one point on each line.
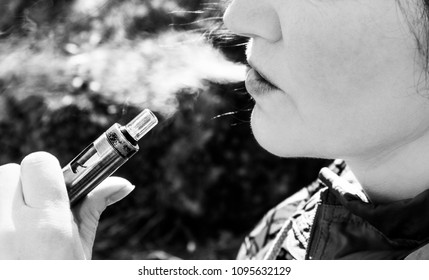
330	79
342	79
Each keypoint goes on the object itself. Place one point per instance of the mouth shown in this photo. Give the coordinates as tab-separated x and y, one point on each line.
257	84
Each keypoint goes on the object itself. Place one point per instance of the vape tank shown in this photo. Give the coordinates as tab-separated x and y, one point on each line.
105	155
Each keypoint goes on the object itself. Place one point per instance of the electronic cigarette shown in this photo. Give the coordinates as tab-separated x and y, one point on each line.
105	155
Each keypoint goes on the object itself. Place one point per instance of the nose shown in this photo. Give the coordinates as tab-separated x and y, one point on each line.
253	18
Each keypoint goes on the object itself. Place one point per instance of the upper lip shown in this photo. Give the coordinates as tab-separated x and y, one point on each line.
265	77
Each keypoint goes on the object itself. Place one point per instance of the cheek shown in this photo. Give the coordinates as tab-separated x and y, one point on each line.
327	53
320	65
348	69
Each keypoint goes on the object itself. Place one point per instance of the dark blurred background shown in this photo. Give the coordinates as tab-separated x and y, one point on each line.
69	69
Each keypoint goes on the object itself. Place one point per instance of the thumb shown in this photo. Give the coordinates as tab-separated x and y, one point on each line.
88	213
42	181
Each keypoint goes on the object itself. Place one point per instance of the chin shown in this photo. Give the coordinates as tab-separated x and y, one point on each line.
275	148
271	140
286	144
283	149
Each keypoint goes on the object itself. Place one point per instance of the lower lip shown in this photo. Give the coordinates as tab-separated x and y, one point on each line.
257	85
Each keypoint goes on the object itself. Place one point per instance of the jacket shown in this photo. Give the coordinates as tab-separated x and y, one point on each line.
334	219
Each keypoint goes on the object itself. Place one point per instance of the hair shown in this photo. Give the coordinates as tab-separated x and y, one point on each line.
423	39
417	14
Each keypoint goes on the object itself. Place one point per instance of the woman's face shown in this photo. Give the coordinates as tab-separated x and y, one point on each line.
349	81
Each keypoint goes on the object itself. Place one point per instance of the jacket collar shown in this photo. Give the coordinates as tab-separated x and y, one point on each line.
401	220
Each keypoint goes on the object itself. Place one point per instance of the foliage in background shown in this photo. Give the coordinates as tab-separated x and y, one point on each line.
69	69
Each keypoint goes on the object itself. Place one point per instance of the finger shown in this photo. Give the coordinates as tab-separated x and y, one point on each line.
9	181
10	201
108	192
113	189
42	181
10	189
88	213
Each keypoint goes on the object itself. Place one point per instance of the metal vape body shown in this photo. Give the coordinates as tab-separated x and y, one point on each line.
105	155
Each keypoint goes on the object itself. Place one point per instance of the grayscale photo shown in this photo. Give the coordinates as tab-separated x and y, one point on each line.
178	130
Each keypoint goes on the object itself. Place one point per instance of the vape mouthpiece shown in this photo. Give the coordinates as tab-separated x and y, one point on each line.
141	124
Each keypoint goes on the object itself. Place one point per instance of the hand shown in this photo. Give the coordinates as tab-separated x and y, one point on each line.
36	221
